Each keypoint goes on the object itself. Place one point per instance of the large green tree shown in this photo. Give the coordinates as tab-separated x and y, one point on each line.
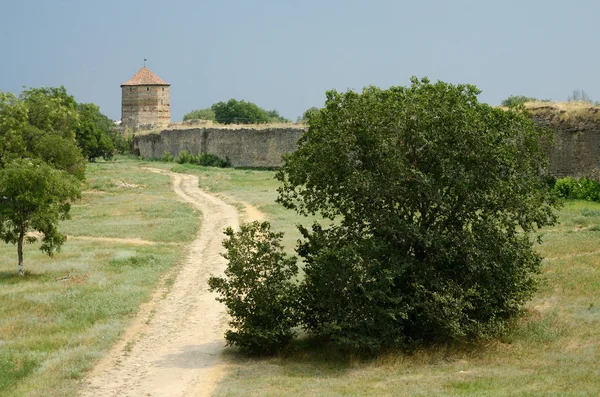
33	197
41	124
239	112
41	166
435	196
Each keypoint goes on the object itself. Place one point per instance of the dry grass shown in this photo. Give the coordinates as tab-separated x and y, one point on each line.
565	111
68	310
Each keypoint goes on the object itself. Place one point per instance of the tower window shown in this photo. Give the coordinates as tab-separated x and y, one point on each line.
163	88
147	88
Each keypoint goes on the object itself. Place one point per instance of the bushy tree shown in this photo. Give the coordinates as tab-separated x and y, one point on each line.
257	289
33	197
41	124
53	111
95	133
434	197
306	115
239	112
200	114
40	166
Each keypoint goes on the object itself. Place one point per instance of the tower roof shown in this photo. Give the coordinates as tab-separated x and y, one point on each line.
145	77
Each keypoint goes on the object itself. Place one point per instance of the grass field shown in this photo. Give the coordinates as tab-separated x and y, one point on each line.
554	350
68	310
125	235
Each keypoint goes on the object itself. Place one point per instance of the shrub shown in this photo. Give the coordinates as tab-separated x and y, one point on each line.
574	189
166	157
257	289
434	196
211	160
515	100
185	157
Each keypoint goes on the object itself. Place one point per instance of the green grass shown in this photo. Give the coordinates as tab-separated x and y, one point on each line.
553	350
68	310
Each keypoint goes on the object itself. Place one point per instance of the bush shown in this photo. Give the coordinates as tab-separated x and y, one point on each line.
515	100
434	196
582	189
166	157
257	289
203	159
185	157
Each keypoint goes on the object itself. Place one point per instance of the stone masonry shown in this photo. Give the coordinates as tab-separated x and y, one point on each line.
145	101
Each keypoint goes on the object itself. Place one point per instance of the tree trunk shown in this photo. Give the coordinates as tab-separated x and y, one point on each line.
20	252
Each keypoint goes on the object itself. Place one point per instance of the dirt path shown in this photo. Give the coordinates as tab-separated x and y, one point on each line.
173	347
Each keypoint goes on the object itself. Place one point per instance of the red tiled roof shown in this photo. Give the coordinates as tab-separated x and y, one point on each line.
145	77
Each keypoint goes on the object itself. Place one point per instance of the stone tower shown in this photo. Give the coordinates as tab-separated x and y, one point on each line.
145	101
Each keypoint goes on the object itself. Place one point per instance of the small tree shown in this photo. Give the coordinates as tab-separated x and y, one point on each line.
434	196
33	198
257	289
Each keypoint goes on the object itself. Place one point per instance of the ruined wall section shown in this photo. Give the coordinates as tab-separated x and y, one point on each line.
576	148
244	147
574	152
145	106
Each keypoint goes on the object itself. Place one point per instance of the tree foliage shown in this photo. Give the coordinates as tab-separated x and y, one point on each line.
41	165
33	197
275	117
242	112
41	124
307	114
200	114
257	289
95	133
434	197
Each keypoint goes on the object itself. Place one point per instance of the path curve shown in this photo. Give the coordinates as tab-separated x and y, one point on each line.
173	347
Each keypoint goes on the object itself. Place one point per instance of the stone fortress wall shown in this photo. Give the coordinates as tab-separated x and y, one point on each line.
575	151
245	147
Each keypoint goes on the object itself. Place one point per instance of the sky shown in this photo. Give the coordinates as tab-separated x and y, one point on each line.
285	55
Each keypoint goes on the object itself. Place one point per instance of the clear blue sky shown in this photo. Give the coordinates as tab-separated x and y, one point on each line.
284	55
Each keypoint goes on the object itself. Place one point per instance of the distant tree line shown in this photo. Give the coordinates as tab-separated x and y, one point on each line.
236	112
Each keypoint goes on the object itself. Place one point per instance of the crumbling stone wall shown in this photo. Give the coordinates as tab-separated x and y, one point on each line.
245	147
574	152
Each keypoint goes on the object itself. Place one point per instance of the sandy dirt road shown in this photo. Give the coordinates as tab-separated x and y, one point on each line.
173	347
